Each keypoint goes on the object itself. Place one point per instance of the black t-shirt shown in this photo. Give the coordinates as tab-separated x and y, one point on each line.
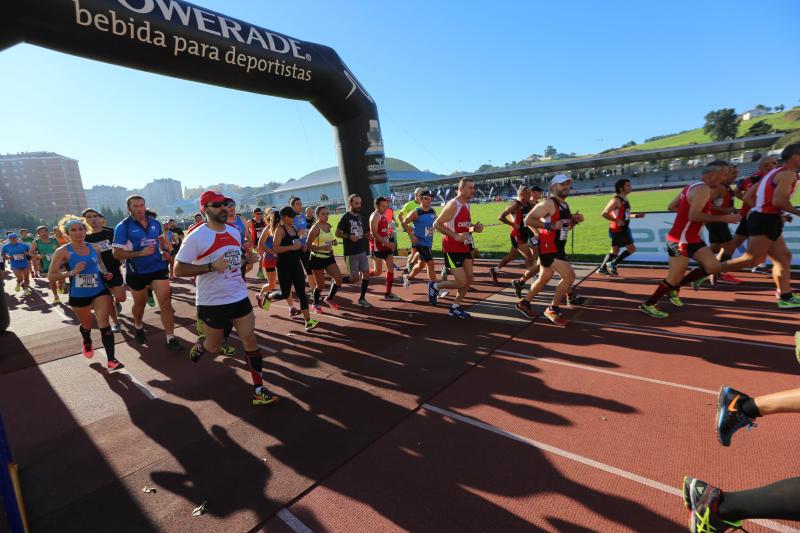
351	224
104	238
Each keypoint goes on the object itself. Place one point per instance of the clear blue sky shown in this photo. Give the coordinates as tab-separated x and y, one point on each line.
457	84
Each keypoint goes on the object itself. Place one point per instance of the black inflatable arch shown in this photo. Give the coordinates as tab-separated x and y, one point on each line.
179	39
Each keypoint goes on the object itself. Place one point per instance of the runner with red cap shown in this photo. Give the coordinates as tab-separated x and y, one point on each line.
213	254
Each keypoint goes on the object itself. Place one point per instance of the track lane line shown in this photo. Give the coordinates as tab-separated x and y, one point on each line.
294	523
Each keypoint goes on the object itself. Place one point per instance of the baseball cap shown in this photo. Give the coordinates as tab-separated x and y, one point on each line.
558	179
210	197
257	210
12	236
229	199
536	188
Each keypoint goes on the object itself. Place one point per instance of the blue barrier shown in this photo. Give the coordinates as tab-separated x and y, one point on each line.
13	515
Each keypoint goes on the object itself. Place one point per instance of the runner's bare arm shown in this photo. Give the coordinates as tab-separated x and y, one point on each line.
447	214
59	258
262	241
510	208
612	205
188	270
540	211
412	216
698	198
750	197
783	191
312	236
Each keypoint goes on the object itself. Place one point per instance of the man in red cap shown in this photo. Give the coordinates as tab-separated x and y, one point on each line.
213	254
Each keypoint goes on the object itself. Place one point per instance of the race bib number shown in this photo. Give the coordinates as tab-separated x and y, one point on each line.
105	246
329	243
48	257
429	231
19	257
533	241
234	259
563	234
468	238
86	281
147	242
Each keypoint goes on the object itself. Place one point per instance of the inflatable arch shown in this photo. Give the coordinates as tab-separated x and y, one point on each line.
179	39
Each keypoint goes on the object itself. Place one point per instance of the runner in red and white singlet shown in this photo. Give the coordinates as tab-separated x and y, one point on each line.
693	207
384	247
522	237
771	201
455	225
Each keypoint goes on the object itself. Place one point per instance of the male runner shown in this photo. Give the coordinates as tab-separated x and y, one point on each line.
351	230
103	237
719	234
618	213
136	241
771	198
521	237
684	242
384	247
421	237
42	250
254	228
213	253
455	225
406	210
18	253
553	219
302	227
745	184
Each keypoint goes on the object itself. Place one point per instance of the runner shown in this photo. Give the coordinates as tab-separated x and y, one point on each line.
553	220
42	250
87	289
198	218
178	236
684	242
521	238
59	236
136	240
169	237
301	225
288	247
745	184
213	254
269	260
771	198
421	236
455	225
384	247
719	234
351	230
18	253
618	213
254	228
103	237
406	210
321	242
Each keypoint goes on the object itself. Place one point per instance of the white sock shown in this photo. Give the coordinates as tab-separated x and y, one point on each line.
170	337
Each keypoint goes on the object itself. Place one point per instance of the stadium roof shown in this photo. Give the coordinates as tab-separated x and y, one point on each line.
623	158
397	170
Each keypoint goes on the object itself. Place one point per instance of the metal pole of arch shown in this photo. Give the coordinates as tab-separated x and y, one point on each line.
14	515
5	318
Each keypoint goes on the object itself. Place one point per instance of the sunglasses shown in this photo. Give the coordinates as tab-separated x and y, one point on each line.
217	205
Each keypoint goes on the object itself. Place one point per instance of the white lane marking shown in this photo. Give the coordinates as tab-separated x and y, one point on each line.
609	372
293	522
139	385
685	335
585	461
265	348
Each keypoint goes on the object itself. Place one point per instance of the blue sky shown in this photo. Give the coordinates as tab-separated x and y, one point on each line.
457	84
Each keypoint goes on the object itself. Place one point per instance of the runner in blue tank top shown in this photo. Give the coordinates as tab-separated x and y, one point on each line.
87	288
421	237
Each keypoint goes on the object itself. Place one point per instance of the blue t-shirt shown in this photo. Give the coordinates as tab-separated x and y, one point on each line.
239	223
18	253
130	235
423	227
301	225
89	282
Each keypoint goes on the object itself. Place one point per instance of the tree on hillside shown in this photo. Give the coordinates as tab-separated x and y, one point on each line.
759	128
721	124
550	151
484	167
779	108
629	143
762	107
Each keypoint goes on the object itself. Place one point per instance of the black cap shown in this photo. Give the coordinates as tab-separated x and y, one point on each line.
257	210
536	188
288	211
425	193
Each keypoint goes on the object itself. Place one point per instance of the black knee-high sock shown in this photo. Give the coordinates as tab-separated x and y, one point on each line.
663	288
346	279
778	500
315	295
254	360
86	334
364	285
620	258
608	259
332	290
108	342
694	275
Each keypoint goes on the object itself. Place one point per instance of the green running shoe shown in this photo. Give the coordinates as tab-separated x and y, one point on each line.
696	284
653	311
227	349
150	300
675	299
260	274
791	303
197	350
797	345
702	499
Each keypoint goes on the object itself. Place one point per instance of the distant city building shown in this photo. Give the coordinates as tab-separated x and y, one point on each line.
44	184
107	196
753	113
161	193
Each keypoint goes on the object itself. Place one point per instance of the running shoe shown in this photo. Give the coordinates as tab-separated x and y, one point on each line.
392	297
63	288
791	303
138	334
555	317
727	278
118	307
406	281
797	345
116	327
762	270
524	307
675	298
227	349
150	300
443	294
653	311
88	351
264	397
696	284
443	273
433	293
263	302
702	500
174	345
612	269
56	299
457	312
603	271
494	274
260	274
113	364
293	312
517	287
328	300
18	287
730	417
576	300
316	309
311	324
197	350
26	291
363	303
